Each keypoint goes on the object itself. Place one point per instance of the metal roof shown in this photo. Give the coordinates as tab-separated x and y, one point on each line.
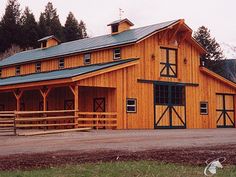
85	45
60	74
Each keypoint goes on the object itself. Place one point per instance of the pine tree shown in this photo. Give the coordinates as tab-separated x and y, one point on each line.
29	29
42	26
72	30
83	30
50	23
203	36
10	26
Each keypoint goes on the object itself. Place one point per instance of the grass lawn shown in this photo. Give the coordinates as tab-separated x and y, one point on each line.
122	169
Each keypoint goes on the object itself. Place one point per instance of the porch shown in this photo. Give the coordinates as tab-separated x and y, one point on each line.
58	107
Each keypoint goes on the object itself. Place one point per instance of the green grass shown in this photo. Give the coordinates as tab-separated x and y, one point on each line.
122	169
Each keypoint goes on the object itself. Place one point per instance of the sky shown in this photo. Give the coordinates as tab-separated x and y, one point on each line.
218	15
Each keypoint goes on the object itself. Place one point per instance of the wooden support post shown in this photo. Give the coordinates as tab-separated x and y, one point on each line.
44	92
18	94
75	91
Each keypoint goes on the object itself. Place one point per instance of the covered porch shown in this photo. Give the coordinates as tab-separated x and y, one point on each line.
89	96
61	107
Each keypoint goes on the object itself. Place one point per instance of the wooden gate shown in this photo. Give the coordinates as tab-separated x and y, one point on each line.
169	107
99	105
225	110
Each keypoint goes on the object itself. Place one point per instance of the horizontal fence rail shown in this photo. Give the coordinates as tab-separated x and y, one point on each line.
11	121
7	123
97	119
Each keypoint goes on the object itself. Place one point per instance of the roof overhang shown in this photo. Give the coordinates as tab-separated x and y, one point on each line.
217	77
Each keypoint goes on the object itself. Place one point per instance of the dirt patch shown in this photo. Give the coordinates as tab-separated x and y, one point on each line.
192	156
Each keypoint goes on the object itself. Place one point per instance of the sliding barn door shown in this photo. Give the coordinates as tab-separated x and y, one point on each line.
225	110
169	106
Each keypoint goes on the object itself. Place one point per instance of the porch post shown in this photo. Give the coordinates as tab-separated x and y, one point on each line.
18	94
44	92
75	91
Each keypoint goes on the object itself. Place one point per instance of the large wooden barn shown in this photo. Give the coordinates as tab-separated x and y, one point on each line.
140	78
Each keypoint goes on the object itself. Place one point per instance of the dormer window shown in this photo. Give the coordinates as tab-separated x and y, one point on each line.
87	58
38	67
49	41
119	26
61	63
117	54
17	70
44	44
114	28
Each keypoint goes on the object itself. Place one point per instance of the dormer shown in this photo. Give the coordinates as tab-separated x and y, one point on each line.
119	26
49	41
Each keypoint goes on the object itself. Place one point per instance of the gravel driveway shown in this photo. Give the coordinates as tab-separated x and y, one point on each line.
121	140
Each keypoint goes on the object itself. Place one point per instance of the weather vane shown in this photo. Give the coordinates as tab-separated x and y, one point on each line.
120	13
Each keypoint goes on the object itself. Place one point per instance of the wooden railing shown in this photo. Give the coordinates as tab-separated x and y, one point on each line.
97	119
7	123
45	119
12	121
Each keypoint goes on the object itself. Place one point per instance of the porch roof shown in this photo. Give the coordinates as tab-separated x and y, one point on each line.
60	74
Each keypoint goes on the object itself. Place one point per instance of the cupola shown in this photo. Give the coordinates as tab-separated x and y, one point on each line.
49	41
119	26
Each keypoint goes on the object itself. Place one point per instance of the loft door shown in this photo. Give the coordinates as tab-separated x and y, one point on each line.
169	106
225	110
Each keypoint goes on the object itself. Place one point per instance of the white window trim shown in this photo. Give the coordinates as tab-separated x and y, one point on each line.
134	106
114	54
60	62
204	108
86	58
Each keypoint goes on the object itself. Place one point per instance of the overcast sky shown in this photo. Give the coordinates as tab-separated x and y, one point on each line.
218	15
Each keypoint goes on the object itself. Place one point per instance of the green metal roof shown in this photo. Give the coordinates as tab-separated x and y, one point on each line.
60	74
84	45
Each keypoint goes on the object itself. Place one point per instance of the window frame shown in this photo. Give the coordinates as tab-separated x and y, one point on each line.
114	54
133	106
38	67
18	70
167	65
204	108
61	63
115	28
85	62
170	95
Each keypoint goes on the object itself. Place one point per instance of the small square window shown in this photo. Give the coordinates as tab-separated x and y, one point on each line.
114	28
117	54
204	108
87	58
61	63
131	105
44	44
38	67
17	70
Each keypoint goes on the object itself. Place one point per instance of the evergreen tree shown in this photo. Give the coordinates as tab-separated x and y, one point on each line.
203	36
29	29
50	23
10	26
72	30
83	30
42	26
